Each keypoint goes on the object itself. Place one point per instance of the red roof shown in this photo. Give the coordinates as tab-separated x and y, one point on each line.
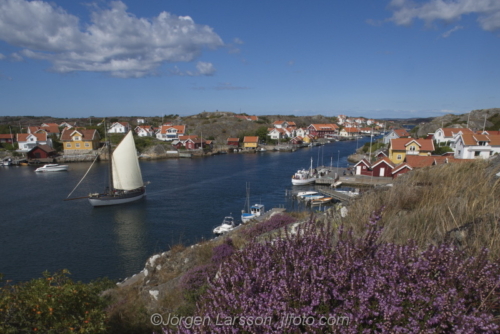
180	128
251	139
7	136
450	132
41	136
471	139
399	144
233	139
325	127
383	160
401	133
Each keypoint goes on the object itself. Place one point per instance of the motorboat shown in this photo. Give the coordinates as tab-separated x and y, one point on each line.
304	176
52	168
312	197
301	194
7	162
226	226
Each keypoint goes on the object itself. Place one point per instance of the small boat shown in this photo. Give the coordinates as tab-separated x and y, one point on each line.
253	211
312	197
52	168
301	194
321	201
303	177
7	162
226	226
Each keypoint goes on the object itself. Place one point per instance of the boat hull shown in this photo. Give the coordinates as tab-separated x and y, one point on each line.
52	168
302	182
107	200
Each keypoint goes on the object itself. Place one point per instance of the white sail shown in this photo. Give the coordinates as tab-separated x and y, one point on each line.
126	170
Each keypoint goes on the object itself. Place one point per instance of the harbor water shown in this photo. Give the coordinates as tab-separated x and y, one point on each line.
185	200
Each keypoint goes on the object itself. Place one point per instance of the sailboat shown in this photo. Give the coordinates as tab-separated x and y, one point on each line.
125	180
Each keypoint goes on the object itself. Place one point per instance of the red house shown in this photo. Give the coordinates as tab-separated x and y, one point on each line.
363	167
297	140
233	142
401	169
7	138
383	167
321	130
41	152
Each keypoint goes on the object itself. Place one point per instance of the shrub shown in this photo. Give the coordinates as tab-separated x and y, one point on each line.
275	222
364	285
53	304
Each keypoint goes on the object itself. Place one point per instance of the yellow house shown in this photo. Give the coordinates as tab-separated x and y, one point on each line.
401	147
250	142
80	140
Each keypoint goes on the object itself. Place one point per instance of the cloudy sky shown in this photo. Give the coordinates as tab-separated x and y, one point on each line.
398	58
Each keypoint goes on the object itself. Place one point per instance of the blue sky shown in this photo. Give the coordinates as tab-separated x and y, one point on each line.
376	59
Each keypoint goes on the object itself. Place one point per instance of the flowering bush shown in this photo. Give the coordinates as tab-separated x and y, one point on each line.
320	281
275	222
53	304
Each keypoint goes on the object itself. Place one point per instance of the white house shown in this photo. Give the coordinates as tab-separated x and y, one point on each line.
474	146
170	132
301	132
280	124
27	141
141	121
394	134
119	127
144	131
276	133
449	135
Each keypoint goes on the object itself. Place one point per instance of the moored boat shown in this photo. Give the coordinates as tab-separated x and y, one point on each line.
52	168
303	176
226	226
321	201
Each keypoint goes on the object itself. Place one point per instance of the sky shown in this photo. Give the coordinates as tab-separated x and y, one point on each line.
377	59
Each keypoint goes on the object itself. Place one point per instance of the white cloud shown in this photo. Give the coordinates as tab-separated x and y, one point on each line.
114	41
237	41
2	56
488	11
449	32
205	68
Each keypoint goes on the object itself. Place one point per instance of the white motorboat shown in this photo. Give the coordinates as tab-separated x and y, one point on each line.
52	168
321	201
301	194
7	162
226	226
303	176
312	197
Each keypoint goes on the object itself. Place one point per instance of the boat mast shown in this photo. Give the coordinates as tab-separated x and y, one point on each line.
108	142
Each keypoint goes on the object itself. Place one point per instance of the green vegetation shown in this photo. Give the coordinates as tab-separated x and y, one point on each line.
374	147
440	150
53	304
495	119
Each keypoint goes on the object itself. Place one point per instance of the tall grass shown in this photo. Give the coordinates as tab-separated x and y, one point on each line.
459	203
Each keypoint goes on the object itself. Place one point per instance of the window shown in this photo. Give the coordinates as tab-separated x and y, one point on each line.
412	148
68	145
399	157
482	143
76	138
77	145
476	153
87	144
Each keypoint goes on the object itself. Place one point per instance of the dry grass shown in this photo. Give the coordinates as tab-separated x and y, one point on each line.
454	202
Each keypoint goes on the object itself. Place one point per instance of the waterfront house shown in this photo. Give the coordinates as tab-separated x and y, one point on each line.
383	167
277	133
27	141
182	140
322	130
474	146
301	132
250	142
395	134
196	143
448	136
401	147
349	132
144	131
68	125
119	127
41	152
80	140
234	142
363	167
297	140
7	138
170	132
